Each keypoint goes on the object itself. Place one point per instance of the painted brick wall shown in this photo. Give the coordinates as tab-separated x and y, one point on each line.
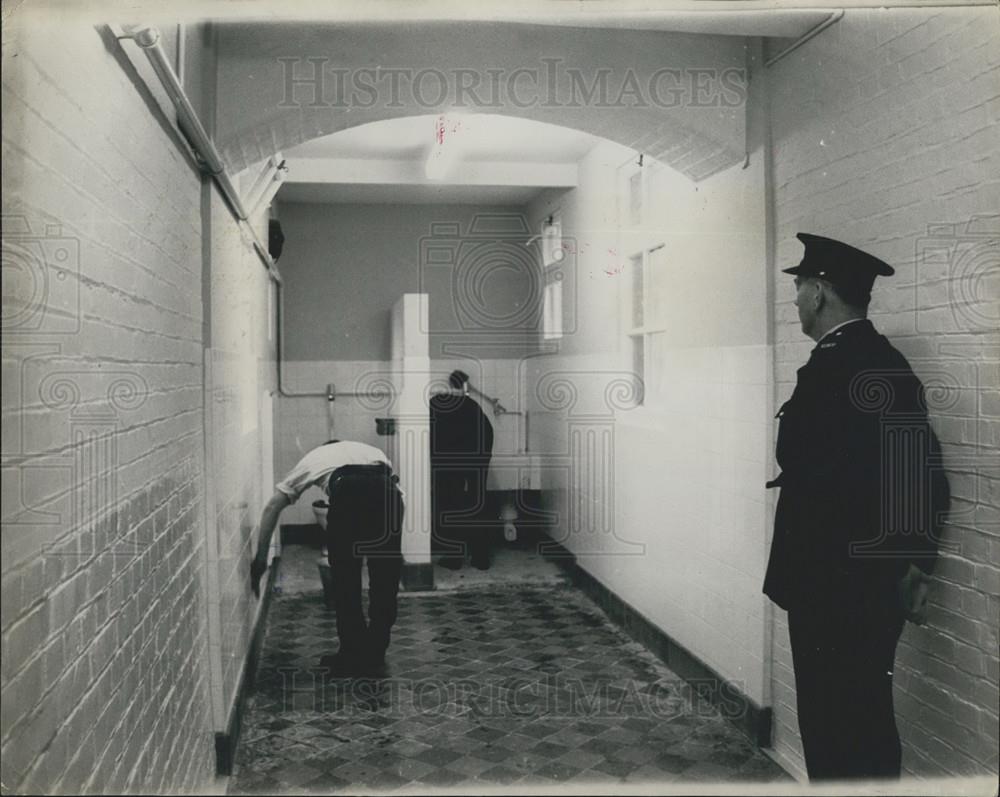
104	679
884	131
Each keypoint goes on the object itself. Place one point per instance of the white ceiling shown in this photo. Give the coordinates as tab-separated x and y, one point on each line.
779	18
480	139
353	193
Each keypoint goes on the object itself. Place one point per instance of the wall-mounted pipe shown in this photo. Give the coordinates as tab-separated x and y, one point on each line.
148	40
822	26
362	394
263	177
500	409
270	188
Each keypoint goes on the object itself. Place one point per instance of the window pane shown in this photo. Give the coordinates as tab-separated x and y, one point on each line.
635	198
638	366
657	291
635	266
659	350
552	310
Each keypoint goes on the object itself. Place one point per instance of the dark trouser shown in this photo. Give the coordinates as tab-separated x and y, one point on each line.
458	499
843	684
364	521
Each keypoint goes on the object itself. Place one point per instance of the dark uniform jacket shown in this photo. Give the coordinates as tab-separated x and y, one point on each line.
862	485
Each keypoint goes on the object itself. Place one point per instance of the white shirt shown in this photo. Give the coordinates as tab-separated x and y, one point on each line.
316	466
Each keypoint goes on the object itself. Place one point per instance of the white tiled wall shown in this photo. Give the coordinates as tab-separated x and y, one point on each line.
238	370
665	504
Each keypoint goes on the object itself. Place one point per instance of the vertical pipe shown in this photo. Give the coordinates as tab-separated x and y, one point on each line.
331	396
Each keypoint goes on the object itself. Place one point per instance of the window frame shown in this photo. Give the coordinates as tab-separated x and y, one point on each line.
638	242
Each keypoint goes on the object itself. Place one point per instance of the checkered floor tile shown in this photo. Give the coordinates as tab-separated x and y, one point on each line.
486	688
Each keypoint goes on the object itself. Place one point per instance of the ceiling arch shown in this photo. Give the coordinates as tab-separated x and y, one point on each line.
678	97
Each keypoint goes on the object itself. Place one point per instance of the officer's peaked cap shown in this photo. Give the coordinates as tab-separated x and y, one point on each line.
841	264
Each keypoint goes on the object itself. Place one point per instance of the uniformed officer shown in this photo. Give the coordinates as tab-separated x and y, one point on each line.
857	520
364	521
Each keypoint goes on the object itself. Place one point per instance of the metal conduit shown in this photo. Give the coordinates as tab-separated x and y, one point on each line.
822	26
148	40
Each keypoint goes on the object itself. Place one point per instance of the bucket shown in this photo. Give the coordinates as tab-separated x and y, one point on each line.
326	578
325	574
319	510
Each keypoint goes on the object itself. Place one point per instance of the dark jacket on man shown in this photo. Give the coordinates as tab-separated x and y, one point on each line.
862	484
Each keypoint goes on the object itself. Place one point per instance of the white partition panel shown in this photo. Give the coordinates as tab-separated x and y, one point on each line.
410	447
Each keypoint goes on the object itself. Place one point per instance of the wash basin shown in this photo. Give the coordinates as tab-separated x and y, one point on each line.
514	472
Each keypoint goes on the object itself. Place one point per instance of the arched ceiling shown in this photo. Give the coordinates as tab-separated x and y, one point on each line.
678	97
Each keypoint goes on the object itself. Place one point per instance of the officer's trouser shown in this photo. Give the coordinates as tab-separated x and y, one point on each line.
843	684
364	521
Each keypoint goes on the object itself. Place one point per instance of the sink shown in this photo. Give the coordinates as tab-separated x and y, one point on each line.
514	472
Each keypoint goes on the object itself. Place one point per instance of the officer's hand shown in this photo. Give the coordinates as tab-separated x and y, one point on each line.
257	569
913	594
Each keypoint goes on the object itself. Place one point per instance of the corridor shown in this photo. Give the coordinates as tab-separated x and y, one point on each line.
702	294
498	685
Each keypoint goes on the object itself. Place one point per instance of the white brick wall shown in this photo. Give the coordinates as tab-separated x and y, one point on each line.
884	125
105	679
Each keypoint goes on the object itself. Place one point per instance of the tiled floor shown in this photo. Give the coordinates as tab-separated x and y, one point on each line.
488	687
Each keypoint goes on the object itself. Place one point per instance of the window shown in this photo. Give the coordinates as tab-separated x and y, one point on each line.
552	316
636	190
553	260
646	275
644	289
